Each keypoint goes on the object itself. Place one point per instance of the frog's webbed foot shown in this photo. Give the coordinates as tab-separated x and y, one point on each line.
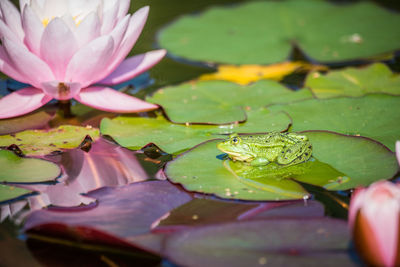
259	162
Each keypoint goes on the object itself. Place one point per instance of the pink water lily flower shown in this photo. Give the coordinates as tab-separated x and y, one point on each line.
61	48
374	218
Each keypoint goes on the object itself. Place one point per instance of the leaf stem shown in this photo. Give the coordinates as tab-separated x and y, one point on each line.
65	106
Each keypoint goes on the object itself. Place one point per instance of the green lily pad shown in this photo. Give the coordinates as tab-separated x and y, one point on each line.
41	142
264	32
221	102
375	116
136	132
11	192
376	78
17	169
339	162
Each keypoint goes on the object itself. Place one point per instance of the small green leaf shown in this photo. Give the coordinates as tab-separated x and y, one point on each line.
221	102
375	116
11	192
41	142
376	78
136	132
264	32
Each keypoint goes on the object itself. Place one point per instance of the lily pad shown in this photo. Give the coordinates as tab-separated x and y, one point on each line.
136	132
375	116
264	32
11	192
220	102
15	169
340	162
376	78
35	120
41	142
281	242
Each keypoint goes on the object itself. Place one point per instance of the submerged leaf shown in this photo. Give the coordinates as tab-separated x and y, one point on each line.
264	32
41	142
375	116
136	132
376	78
245	74
15	169
35	120
221	102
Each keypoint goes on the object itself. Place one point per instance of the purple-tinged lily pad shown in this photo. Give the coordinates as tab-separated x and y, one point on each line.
279	242
124	211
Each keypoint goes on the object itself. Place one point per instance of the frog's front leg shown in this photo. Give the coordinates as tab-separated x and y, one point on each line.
259	161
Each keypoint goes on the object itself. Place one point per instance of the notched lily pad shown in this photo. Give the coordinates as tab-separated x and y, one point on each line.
375	116
15	169
339	162
263	32
376	78
221	102
42	142
136	132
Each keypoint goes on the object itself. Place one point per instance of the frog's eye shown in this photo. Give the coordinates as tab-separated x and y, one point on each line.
235	140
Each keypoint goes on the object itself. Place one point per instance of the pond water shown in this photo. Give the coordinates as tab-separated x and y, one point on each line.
19	249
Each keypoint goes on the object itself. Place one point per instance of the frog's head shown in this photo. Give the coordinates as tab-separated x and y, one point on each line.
236	148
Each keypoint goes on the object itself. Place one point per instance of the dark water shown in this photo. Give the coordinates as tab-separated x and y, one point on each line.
16	251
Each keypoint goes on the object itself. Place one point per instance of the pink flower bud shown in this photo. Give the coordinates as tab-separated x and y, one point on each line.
374	221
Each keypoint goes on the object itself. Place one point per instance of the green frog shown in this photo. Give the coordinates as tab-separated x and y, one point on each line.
260	149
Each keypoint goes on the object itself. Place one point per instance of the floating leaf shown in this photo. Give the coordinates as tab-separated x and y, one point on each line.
34	120
376	78
136	132
264	32
281	242
11	192
220	102
41	142
342	162
245	74
375	116
15	169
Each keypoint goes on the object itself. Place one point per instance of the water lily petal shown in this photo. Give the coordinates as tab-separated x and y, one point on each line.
398	151
108	99
57	46
7	67
88	29
134	66
356	202
22	4
61	91
109	16
119	31
123	8
8	33
33	28
12	17
87	63
135	27
22	101
28	64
